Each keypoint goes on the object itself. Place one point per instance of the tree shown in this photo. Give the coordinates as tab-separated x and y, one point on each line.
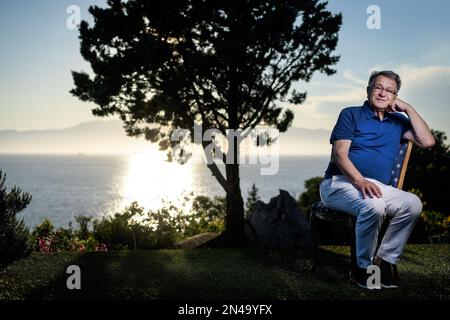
429	171
83	226
311	194
252	198
14	235
224	64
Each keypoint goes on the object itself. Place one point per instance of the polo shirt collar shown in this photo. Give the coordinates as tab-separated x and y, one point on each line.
368	111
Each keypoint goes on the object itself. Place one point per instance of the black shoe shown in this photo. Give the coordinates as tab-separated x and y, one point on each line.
388	280
361	278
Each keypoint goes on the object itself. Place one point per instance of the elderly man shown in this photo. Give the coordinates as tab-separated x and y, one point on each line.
365	143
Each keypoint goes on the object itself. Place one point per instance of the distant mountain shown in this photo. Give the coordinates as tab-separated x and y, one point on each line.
95	137
108	137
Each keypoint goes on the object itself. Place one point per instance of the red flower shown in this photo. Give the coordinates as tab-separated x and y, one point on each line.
45	244
101	248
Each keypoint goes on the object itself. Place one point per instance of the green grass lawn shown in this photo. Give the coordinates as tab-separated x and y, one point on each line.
220	274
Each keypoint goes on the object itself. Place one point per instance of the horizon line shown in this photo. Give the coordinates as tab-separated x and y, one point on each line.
112	120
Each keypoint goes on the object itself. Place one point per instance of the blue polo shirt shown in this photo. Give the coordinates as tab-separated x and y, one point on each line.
375	143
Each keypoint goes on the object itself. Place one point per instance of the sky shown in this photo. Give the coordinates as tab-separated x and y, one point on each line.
38	52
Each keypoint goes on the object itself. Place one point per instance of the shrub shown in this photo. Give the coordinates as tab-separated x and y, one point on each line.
121	232
437	225
160	228
311	194
90	244
134	229
15	240
44	230
207	215
48	240
42	236
429	171
166	226
114	232
62	240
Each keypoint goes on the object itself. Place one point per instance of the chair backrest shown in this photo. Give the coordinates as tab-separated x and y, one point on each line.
401	163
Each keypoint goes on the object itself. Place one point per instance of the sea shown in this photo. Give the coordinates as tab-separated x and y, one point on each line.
65	186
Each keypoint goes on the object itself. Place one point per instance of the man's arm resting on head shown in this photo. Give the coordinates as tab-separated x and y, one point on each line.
348	169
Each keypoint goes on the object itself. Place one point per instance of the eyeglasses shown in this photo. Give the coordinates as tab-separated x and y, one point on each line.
379	88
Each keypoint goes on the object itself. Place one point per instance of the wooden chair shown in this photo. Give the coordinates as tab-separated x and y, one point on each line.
320	212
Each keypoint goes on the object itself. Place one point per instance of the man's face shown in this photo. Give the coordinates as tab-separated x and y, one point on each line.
381	94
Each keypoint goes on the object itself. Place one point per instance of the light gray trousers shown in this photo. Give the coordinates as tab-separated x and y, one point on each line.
338	193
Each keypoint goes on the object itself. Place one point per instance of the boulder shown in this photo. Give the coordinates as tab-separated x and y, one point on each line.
278	224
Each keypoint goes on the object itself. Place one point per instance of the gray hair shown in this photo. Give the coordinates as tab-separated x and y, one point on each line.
386	73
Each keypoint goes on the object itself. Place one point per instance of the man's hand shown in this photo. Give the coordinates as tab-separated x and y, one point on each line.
399	106
368	188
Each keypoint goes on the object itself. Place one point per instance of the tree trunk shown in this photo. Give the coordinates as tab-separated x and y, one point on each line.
234	220
234	234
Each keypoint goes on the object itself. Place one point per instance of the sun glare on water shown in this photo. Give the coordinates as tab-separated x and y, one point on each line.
152	180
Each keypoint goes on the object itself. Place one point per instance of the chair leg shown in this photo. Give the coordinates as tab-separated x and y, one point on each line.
315	241
395	273
353	260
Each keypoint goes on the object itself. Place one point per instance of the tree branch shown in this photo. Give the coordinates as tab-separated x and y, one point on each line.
216	172
257	116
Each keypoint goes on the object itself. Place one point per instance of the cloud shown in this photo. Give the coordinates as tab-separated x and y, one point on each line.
321	108
350	76
414	76
426	88
436	55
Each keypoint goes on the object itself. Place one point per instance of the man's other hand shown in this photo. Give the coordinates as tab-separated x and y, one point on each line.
398	105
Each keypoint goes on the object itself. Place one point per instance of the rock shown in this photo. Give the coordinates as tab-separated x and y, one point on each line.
279	224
